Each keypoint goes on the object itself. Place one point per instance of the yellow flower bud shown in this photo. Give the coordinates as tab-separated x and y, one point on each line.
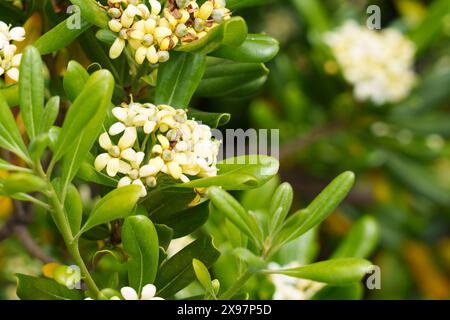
205	10
116	49
115	25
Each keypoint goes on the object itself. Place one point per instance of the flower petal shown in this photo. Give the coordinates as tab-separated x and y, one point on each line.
148	292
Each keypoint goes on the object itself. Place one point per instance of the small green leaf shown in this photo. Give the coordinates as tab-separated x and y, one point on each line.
256	48
231	32
203	276
360	241
232	209
32	288
60	36
117	204
280	205
165	235
239	173
73	208
178	78
50	114
177	272
38	145
231	79
97	92
253	261
318	210
5	165
74	79
11	94
337	272
23	182
237	4
92	12
31	90
140	241
213	120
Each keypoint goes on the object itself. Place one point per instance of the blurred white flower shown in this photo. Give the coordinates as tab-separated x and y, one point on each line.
128	293
378	63
290	288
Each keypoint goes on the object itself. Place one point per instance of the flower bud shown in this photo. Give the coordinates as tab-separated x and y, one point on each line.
182	3
199	24
152	56
205	10
151	182
116	49
141	52
163	56
114	13
181	30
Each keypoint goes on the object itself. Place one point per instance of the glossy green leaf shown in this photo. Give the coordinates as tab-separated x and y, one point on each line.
97	92
179	78
140	241
213	120
165	235
253	261
38	145
239	173
177	272
337	272
318	210
351	292
88	173
49	114
31	90
92	12
203	276
32	288
74	79
183	222
228	78
23	182
360	241
73	208
117	204
60	36
280	205
256	48
231	32
106	36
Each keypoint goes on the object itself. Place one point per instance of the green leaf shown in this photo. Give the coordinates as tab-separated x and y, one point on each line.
10	138
74	79
360	241
97	92
231	32
117	204
337	272
106	36
32	288
213	120
31	90
183	222
179	78
38	145
49	115
92	12
165	235
60	36
253	261
256	48
177	272
239	173
228	78
280	205
23	182
232	209
318	210
203	276
140	241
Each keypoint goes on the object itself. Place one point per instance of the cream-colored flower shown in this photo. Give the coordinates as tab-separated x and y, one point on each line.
9	58
378	64
8	34
127	293
114	158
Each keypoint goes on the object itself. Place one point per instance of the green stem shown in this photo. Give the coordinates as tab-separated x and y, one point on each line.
240	282
64	228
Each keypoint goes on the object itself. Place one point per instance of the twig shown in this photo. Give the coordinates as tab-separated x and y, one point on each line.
293	147
30	245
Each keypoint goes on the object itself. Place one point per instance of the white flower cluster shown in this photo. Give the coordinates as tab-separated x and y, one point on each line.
171	145
128	293
290	288
9	59
152	32
378	64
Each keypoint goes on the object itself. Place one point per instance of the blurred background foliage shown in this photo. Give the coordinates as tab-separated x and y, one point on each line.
400	153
